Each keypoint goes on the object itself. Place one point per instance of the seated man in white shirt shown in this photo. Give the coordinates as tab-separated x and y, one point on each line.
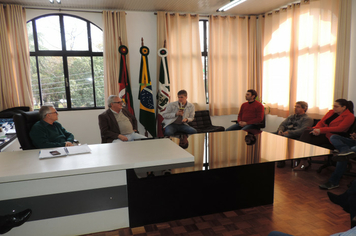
178	114
117	123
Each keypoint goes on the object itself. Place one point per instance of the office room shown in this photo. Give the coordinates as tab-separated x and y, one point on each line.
299	206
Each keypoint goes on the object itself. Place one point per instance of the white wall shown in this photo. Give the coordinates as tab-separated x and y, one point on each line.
141	24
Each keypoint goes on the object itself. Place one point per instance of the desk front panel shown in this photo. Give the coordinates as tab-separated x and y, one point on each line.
78	194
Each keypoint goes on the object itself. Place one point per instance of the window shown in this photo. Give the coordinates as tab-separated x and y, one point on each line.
203	32
66	56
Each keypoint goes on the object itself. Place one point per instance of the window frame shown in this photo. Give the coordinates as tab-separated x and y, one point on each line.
204	54
64	54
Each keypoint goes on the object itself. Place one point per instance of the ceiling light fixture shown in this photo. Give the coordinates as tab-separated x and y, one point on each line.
58	1
51	1
230	5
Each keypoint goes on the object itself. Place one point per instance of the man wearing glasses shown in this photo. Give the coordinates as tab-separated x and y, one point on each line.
47	132
117	123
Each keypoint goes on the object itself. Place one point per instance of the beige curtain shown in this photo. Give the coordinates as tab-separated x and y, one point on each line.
254	55
299	57
184	58
229	59
343	50
15	79
114	27
161	38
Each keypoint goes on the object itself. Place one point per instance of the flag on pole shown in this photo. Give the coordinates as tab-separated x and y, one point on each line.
124	81
147	111
163	94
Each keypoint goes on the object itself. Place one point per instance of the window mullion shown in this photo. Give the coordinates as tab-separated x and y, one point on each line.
65	63
66	81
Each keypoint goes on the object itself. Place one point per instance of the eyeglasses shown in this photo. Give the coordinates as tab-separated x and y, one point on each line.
52	112
119	102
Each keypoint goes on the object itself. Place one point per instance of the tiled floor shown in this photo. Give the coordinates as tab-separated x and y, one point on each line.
300	208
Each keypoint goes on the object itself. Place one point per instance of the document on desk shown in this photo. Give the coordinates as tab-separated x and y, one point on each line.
64	151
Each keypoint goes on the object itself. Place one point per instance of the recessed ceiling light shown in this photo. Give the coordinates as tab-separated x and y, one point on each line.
51	1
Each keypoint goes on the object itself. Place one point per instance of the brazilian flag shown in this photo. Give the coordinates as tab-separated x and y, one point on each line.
147	111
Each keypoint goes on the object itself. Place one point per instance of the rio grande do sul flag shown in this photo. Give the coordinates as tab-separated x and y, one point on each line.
147	111
163	94
124	81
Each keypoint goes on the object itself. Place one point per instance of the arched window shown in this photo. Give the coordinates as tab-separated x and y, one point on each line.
66	54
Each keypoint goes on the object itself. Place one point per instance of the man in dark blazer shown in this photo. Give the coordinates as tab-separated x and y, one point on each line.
117	123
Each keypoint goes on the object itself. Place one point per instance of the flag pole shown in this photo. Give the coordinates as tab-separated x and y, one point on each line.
142	44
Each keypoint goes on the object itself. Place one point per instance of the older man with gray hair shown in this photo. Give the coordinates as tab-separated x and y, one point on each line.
117	123
47	132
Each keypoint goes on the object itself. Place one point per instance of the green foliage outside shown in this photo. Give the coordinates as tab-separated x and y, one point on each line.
80	76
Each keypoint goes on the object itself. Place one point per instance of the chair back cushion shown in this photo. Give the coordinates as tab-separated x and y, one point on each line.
23	124
201	120
202	123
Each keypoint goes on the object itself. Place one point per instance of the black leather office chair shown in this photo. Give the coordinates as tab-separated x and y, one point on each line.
202	123
9	113
23	124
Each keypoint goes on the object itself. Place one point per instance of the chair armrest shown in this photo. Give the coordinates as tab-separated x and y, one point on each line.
235	121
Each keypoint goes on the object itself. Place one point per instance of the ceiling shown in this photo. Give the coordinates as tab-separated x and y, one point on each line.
250	7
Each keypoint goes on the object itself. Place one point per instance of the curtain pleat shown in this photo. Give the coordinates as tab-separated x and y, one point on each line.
114	27
184	58
299	57
343	50
230	63
15	78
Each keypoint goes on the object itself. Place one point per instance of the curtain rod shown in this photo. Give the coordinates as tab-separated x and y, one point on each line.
61	9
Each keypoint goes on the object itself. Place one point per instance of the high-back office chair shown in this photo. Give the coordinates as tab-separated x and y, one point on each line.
202	123
10	112
23	124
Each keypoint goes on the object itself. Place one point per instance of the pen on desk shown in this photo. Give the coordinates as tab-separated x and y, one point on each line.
65	149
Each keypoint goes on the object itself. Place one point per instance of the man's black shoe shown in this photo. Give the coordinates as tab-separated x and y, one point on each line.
328	186
15	220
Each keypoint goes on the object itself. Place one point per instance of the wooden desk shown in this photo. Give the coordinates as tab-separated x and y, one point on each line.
227	175
83	193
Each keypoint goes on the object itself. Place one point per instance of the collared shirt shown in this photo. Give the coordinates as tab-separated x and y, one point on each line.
124	123
296	124
44	135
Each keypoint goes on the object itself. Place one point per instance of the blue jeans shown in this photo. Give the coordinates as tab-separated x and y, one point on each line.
342	144
238	127
278	233
171	129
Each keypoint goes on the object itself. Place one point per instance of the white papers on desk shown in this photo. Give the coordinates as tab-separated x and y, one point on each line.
64	151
